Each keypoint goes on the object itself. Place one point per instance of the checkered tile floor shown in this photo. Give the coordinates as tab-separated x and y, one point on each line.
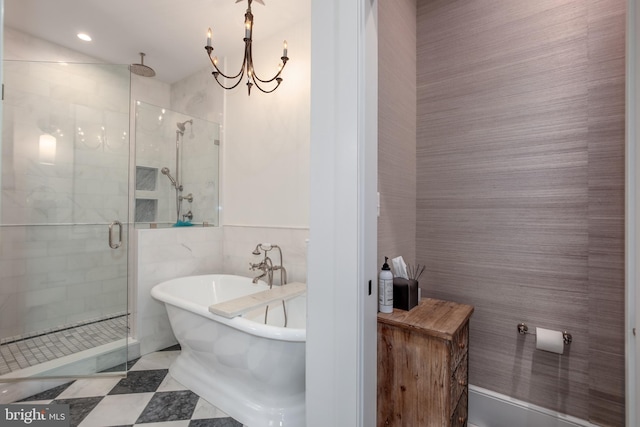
148	397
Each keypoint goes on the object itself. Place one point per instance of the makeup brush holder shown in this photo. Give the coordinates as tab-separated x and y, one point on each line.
405	293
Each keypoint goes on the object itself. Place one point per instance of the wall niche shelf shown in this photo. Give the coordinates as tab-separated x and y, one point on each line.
146	178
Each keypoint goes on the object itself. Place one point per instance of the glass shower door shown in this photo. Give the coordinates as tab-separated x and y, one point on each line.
64	183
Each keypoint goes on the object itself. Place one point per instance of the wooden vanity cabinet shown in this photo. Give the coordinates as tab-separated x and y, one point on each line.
423	365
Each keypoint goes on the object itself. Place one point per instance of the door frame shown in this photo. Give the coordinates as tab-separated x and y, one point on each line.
632	215
341	314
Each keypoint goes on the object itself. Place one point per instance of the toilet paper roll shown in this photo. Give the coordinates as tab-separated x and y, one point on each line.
549	340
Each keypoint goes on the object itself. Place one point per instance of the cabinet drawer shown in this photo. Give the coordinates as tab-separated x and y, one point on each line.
459	346
459	381
459	417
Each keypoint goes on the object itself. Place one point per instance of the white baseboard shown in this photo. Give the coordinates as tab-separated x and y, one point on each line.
491	409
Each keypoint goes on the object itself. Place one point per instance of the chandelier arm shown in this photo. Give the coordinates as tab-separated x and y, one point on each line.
271	79
255	82
254	76
228	87
223	74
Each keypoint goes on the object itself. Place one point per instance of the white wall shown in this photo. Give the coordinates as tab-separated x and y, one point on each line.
265	148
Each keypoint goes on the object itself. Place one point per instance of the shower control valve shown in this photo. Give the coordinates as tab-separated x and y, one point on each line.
188	198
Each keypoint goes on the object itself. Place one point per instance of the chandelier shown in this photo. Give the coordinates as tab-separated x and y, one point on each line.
247	68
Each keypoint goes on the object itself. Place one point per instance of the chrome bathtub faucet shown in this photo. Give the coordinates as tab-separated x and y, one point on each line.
266	265
267	268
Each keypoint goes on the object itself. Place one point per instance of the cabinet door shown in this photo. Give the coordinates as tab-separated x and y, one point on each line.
413	378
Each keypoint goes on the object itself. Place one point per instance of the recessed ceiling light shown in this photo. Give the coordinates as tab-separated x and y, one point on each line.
84	36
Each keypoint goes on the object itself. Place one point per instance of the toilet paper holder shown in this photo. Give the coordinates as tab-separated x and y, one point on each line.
524	329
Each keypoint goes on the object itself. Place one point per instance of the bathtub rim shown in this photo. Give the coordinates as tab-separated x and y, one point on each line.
161	292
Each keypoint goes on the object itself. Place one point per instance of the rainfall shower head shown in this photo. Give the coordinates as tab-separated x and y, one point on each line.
141	69
165	171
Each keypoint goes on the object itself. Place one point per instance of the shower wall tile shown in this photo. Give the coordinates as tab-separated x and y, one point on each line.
11	268
198	95
44	296
57	277
68	98
52	264
152	91
156	148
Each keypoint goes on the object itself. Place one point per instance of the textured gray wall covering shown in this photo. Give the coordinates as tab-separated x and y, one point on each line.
397	129
520	190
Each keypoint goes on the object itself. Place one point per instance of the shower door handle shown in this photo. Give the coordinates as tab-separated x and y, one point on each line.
112	244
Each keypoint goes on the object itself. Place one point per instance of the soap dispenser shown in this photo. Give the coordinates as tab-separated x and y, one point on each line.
385	289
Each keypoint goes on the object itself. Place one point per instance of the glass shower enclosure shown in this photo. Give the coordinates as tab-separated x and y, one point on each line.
177	175
64	180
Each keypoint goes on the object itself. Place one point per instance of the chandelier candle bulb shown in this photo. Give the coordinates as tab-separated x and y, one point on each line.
209	34
284	49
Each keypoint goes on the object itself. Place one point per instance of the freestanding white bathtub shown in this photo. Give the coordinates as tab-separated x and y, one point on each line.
252	371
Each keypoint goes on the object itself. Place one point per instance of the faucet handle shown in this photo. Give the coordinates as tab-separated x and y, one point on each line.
258	266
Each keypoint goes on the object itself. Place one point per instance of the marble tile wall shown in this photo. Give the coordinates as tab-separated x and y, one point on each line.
201	171
199	97
199	163
164	254
240	241
58	275
155	148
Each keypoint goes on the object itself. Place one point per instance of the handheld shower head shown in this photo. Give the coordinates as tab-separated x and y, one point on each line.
165	171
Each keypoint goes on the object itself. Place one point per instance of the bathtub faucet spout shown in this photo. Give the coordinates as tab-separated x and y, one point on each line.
266	266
